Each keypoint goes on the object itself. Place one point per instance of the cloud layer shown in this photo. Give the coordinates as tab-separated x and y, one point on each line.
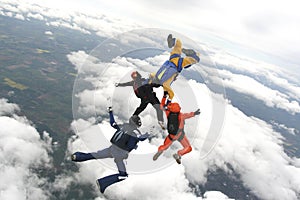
22	155
248	146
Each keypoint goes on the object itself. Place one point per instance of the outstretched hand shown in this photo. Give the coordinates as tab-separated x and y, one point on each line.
144	136
116	84
197	112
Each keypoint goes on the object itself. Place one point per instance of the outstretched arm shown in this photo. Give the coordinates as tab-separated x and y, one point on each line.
144	136
191	114
130	83
187	115
112	120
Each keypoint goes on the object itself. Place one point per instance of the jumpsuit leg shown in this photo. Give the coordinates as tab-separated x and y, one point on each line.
104	153
142	107
177	49
119	156
156	104
166	145
186	146
167	86
188	61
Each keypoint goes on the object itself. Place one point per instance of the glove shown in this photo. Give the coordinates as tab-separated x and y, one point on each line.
197	112
165	93
116	84
144	136
109	109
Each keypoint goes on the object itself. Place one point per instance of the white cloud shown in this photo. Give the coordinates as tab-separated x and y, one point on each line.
278	76
292	89
267	26
249	86
252	149
21	152
250	146
19	16
48	33
84	22
251	77
7	108
35	16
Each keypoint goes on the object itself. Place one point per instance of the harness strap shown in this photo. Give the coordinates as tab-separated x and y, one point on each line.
180	64
175	55
180	135
180	60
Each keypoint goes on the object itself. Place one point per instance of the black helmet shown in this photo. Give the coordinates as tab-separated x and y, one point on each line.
135	120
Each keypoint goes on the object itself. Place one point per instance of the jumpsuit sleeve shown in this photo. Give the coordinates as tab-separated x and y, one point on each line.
130	83
112	121
144	137
187	115
162	106
163	102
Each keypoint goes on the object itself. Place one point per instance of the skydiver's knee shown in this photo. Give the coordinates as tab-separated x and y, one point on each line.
189	149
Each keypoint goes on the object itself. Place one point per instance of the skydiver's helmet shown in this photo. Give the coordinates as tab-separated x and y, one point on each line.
174	107
135	120
135	75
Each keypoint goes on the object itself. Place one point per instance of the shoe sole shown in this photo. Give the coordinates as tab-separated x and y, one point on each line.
189	52
170	41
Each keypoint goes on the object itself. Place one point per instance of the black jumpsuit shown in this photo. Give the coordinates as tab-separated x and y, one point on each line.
144	91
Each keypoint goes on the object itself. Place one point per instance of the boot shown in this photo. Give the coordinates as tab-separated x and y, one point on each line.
171	41
177	158
80	157
191	53
158	153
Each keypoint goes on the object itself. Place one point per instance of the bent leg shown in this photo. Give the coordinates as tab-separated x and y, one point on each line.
156	104
166	145
187	61
167	86
141	108
104	153
177	49
186	146
119	156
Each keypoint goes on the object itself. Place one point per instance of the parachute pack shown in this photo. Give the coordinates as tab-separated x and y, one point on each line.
123	140
173	123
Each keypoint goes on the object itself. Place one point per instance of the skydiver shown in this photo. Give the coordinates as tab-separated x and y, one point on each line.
172	67
175	126
123	141
144	91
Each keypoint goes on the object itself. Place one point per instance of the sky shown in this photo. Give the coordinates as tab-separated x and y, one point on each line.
259	145
266	30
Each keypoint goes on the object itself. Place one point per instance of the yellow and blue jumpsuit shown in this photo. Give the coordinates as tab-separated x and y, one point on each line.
177	63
